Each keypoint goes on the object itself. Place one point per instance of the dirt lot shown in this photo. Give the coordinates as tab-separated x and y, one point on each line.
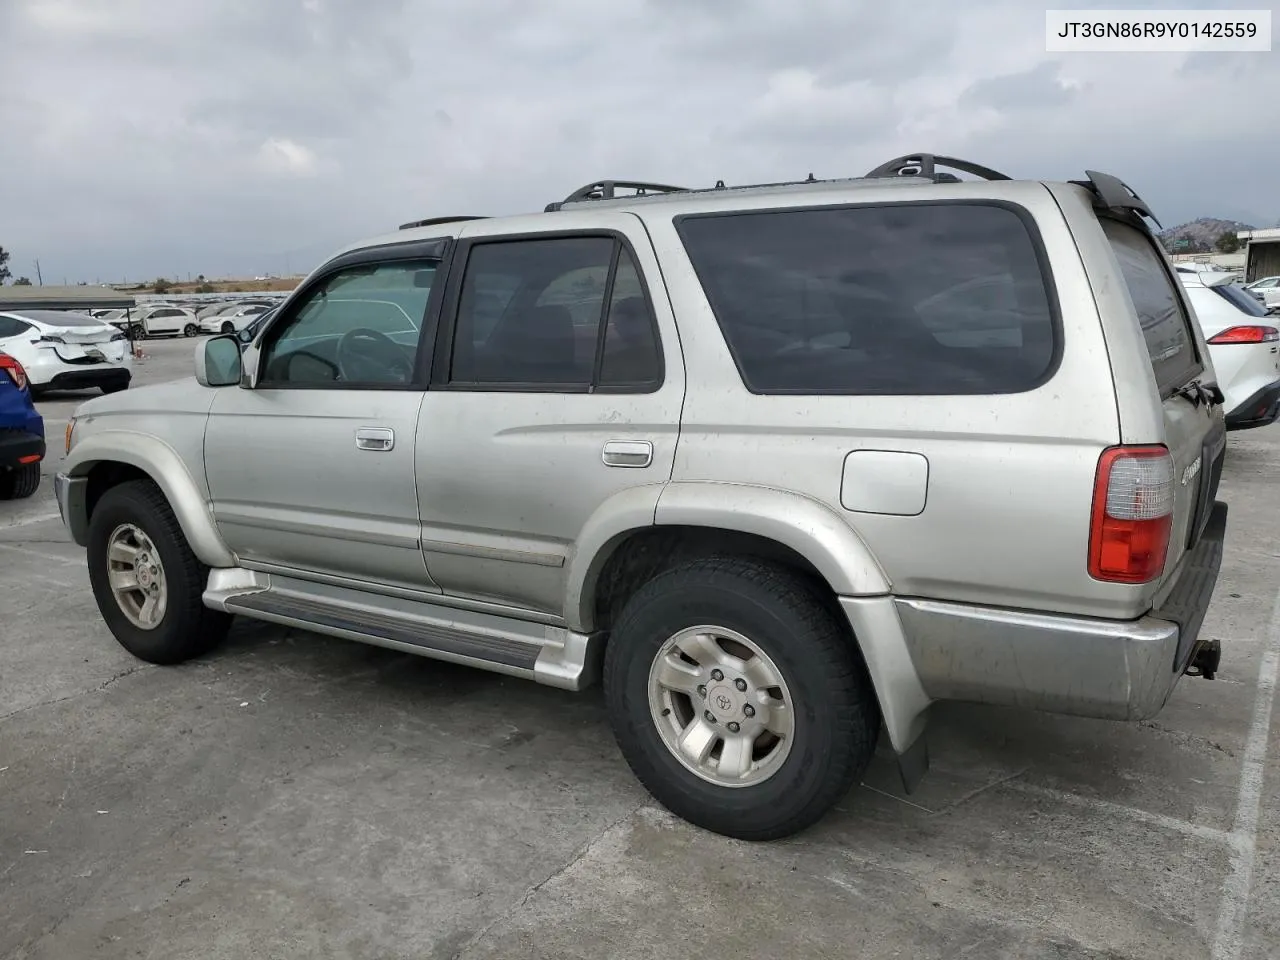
300	796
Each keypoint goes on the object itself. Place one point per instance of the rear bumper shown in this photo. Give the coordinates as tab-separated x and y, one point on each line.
20	447
1259	410
1111	669
88	377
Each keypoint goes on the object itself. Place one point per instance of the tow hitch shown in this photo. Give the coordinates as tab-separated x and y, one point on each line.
1205	662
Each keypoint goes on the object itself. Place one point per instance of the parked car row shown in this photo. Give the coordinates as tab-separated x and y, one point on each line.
150	320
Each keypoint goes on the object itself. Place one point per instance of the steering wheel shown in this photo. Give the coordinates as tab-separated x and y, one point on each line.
367	356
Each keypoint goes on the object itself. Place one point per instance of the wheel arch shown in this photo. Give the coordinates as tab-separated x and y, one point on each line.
104	460
662	526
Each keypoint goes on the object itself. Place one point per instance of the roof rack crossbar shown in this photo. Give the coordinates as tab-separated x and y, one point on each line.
1112	193
926	165
432	221
607	190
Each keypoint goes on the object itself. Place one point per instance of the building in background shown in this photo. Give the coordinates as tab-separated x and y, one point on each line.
1262	253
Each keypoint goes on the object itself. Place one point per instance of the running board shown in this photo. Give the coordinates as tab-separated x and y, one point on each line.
546	654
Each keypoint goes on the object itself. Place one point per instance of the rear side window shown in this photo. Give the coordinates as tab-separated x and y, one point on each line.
1165	326
905	299
1241	299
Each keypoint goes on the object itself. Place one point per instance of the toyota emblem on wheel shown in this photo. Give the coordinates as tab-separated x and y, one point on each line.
723	702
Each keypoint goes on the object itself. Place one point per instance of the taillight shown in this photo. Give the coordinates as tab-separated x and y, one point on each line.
1132	514
13	368
1248	333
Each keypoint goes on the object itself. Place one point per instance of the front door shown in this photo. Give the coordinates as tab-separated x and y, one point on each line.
310	464
555	394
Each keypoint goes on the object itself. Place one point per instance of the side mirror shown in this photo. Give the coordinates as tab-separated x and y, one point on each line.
218	362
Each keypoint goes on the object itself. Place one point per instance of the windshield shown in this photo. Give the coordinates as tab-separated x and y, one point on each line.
1238	297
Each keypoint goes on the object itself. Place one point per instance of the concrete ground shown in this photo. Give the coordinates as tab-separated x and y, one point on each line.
299	796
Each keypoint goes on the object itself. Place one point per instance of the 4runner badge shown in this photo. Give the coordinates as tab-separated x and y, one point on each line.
1189	474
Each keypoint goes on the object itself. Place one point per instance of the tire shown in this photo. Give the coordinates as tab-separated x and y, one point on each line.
137	332
187	628
20	482
228	327
190	330
836	718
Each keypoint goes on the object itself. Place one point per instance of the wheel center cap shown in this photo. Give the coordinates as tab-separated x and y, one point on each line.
725	702
144	576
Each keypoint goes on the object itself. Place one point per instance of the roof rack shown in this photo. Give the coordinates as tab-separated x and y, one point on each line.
926	165
1111	193
432	221
607	190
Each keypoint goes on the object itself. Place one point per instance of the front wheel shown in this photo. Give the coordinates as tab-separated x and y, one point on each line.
146	580
738	699
190	330
228	327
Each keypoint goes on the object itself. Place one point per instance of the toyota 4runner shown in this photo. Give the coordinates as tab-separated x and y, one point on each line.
780	465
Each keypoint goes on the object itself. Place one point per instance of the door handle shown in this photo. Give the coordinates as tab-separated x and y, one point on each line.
627	453
375	439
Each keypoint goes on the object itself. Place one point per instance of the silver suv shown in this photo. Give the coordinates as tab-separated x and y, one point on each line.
782	465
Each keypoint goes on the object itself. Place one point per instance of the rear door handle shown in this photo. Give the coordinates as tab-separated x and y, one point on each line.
375	439
627	453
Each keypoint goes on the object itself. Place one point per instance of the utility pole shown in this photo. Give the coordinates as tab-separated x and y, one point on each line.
39	276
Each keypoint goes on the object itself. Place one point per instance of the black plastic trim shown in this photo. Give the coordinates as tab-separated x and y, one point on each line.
435	221
926	164
16	444
606	190
1022	213
1188	602
1242	418
440	372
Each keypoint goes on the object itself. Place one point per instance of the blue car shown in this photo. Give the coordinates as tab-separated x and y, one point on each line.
21	433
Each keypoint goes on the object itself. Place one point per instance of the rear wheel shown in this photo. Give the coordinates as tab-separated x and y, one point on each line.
738	698
147	582
20	482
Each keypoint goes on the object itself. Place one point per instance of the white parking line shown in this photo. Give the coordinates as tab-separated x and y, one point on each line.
1172	824
1237	887
27	521
28	552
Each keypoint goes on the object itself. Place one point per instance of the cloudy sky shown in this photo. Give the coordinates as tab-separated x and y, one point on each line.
229	137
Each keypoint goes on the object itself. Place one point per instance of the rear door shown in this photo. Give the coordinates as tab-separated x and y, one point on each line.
556	390
1195	437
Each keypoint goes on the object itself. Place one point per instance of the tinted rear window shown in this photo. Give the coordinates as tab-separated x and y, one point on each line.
1164	321
911	299
1241	298
60	319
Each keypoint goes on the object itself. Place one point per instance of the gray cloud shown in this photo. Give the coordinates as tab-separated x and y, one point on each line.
234	136
1036	89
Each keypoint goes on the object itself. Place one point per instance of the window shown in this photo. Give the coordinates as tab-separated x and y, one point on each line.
568	312
360	325
1245	302
12	327
1164	322
918	298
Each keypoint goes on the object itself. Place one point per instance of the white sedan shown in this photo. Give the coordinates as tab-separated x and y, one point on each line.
1244	344
67	351
233	321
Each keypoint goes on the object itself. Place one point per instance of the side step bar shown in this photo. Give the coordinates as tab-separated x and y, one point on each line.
546	654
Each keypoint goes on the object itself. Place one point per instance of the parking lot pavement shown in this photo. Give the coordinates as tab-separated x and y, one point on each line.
294	795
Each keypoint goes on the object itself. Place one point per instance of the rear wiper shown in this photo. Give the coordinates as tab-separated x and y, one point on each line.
1198	393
